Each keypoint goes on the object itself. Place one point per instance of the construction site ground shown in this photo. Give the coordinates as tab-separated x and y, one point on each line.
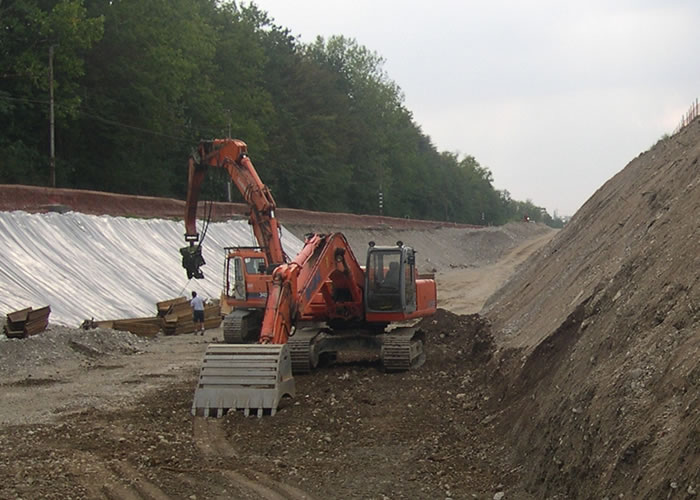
105	414
579	377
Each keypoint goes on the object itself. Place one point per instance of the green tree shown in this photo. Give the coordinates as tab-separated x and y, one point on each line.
136	118
28	28
140	82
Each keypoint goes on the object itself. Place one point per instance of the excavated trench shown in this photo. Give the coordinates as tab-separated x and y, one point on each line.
107	413
578	380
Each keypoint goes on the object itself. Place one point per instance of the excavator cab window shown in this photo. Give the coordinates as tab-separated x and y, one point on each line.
254	265
409	281
235	278
385	280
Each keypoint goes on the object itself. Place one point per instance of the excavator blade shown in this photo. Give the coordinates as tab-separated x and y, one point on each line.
248	377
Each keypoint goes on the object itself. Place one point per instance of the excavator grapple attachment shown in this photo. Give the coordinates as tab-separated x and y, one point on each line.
248	377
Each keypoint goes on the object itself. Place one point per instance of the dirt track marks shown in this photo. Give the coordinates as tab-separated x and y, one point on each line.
114	479
266	487
210	438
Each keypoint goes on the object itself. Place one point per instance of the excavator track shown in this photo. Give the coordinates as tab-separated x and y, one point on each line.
238	325
403	350
302	350
399	350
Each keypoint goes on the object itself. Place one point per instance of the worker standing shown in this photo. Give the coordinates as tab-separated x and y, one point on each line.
197	304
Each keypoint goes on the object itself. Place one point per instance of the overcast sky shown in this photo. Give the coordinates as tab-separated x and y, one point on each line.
553	96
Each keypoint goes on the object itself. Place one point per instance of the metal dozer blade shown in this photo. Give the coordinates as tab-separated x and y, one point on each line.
248	377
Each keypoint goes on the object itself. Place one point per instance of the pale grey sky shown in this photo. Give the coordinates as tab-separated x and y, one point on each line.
554	97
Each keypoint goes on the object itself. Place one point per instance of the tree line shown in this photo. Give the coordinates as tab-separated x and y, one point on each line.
137	83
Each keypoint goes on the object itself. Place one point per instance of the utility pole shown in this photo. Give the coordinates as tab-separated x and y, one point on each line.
52	160
229	186
381	188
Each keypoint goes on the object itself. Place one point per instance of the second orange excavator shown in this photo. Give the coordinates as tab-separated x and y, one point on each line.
247	270
319	305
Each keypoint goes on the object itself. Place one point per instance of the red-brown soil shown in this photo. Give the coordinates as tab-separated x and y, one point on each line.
42	199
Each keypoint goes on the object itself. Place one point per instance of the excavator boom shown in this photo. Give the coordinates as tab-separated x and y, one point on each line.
232	156
325	265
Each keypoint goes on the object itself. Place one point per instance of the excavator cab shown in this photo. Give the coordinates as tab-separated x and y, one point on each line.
390	279
244	293
244	269
244	276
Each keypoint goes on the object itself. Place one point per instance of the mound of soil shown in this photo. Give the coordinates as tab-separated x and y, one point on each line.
39	353
601	334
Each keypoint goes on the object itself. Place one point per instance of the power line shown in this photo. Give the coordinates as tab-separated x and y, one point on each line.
298	175
101	118
134	127
23	99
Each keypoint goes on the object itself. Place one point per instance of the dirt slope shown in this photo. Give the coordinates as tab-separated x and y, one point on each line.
601	333
440	249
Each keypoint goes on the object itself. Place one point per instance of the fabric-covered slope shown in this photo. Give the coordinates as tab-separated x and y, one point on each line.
105	267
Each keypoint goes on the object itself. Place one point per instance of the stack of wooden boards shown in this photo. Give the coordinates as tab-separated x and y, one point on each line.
144	327
25	322
177	316
174	317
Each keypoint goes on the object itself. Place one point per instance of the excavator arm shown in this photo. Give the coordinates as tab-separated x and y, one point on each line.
232	156
325	265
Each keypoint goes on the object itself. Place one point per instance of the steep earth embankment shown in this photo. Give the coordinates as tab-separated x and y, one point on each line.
600	338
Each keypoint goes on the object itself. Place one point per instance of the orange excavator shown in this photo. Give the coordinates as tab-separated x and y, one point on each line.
317	306
247	270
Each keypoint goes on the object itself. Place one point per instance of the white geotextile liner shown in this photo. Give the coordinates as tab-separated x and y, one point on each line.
87	266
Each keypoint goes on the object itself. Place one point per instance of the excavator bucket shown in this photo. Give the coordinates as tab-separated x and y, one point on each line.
248	377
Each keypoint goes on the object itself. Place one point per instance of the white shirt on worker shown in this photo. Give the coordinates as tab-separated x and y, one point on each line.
197	303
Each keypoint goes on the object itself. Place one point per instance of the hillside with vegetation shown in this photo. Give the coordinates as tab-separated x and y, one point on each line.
137	83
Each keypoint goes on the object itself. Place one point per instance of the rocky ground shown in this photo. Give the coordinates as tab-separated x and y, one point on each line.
351	432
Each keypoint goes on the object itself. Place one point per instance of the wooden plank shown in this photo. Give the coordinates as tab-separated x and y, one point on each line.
18	316
167	306
145	327
14	334
27	321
